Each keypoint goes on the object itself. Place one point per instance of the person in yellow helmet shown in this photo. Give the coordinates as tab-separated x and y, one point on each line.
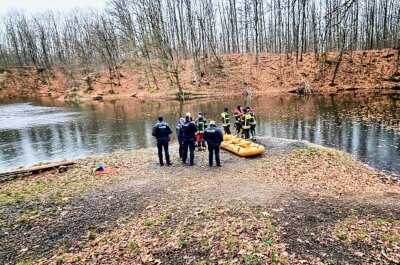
225	118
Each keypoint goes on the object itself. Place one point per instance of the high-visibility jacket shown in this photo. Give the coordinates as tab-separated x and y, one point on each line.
201	125
253	119
246	121
225	118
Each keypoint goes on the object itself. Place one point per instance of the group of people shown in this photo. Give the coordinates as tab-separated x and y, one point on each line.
245	122
192	133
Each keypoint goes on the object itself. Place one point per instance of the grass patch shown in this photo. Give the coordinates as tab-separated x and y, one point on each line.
381	221
183	243
54	189
22	220
25	262
268	242
251	259
148	222
391	237
134	248
153	90
60	260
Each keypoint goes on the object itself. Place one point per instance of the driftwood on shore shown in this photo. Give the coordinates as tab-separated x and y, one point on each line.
8	175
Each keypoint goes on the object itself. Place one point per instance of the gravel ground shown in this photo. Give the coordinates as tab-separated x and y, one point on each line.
307	190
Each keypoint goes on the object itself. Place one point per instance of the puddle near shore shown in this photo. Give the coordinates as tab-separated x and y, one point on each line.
37	130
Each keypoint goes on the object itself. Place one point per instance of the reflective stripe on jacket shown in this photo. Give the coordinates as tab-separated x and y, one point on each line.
225	118
246	121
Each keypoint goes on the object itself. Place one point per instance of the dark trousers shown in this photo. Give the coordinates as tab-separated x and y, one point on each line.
180	149
253	131
160	146
201	144
211	151
227	129
246	133
238	128
188	144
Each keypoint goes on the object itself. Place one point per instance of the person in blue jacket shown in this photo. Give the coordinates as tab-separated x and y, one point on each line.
189	130
179	135
214	137
162	132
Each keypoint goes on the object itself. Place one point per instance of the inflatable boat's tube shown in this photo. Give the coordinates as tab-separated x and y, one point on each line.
241	147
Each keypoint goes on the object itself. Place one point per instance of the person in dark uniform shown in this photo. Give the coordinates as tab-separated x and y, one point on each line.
189	130
214	137
225	118
179	135
161	131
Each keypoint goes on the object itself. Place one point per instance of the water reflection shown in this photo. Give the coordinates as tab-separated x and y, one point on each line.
48	131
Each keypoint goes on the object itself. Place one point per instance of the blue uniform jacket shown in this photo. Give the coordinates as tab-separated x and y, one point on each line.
179	132
189	130
161	131
213	135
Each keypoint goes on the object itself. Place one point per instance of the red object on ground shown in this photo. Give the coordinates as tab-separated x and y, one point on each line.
200	137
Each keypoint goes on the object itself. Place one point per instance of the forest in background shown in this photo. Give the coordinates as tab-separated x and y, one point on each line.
162	34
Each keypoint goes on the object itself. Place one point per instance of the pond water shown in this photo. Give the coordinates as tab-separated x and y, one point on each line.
36	130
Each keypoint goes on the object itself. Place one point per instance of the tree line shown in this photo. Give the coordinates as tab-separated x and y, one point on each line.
163	33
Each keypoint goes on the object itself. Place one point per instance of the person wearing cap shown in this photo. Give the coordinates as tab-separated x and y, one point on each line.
214	136
253	123
179	135
238	117
225	118
162	132
246	124
201	124
188	139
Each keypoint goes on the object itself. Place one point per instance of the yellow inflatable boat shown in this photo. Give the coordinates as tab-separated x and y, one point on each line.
241	147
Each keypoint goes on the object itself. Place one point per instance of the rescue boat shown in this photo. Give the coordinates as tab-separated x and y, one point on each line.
241	146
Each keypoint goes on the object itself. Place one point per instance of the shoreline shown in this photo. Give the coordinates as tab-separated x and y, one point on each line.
274	146
209	95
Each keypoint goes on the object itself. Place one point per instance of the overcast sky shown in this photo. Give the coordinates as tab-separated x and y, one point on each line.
32	6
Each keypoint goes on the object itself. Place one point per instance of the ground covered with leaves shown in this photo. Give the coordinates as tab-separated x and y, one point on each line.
297	204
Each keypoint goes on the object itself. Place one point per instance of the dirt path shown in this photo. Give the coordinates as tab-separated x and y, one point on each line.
296	204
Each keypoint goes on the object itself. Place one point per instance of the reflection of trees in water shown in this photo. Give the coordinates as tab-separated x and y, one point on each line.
332	120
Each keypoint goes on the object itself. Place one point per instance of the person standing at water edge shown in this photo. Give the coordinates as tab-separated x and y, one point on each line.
253	123
214	137
189	137
161	131
225	118
246	120
179	135
238	117
201	124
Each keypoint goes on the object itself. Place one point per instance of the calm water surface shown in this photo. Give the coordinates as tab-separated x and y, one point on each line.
36	130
